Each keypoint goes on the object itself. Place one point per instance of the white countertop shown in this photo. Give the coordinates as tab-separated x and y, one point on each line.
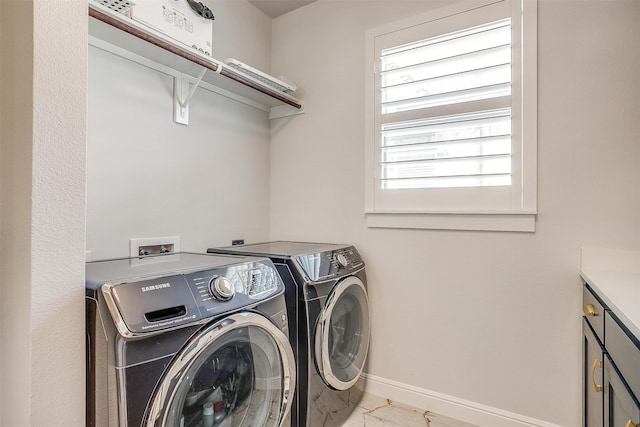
615	276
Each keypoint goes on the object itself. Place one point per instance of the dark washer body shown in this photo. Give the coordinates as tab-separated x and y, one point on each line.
185	340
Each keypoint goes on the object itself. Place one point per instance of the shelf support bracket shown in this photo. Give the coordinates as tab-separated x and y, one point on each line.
180	89
280	111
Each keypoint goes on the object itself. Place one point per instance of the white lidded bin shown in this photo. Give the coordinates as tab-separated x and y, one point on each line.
176	20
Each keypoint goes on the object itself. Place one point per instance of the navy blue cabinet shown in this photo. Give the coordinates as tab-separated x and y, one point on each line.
611	367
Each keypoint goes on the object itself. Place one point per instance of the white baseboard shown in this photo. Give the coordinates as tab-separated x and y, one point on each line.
464	410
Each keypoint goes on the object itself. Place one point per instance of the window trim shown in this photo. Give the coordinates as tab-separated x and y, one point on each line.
520	219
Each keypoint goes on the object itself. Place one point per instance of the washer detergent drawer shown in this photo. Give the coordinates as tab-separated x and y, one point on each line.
625	352
151	305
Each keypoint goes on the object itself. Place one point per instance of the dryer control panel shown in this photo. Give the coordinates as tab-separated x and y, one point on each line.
156	304
329	264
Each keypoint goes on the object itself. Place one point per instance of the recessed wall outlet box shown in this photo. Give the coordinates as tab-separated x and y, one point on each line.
147	246
176	20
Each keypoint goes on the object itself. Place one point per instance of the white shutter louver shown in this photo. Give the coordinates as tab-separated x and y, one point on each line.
469	149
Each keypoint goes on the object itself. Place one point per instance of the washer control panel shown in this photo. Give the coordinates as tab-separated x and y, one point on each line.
221	288
237	286
174	301
325	265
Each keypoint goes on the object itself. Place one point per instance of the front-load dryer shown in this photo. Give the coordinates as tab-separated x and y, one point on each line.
186	340
329	324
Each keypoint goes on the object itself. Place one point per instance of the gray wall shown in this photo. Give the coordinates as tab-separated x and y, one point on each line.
207	182
482	317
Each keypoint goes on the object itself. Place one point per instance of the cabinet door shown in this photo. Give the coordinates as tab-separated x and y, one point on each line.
592	378
620	407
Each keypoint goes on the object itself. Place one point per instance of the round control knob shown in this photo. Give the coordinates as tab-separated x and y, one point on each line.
221	288
342	260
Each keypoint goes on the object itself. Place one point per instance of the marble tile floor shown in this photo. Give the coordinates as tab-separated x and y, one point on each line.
375	411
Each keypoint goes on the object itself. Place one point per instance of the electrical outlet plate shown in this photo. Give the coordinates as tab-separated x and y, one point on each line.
153	246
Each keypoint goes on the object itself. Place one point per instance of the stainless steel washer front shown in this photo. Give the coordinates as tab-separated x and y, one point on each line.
241	365
169	345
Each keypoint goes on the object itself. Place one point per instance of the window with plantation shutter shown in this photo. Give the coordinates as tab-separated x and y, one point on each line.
451	119
466	150
458	67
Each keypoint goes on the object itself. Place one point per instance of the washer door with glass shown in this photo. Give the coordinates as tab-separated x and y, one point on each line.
342	334
237	372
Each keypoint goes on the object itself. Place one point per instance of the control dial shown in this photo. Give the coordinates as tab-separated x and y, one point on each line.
221	288
341	260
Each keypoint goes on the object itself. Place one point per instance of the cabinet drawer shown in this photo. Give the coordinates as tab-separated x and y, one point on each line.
593	311
625	352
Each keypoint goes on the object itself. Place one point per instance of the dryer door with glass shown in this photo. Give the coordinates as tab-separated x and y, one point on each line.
236	372
342	334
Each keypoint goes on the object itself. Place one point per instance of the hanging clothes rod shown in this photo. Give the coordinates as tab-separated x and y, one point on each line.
211	65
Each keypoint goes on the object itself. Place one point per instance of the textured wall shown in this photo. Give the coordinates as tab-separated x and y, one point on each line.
15	207
43	209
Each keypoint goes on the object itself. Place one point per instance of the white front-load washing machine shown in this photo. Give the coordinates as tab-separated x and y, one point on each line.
329	324
187	340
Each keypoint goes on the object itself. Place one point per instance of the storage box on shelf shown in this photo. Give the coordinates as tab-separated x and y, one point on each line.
119	34
177	20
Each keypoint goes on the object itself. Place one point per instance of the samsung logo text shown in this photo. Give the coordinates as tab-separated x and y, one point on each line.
156	287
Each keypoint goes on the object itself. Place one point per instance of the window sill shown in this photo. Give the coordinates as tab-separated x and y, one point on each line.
470	221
